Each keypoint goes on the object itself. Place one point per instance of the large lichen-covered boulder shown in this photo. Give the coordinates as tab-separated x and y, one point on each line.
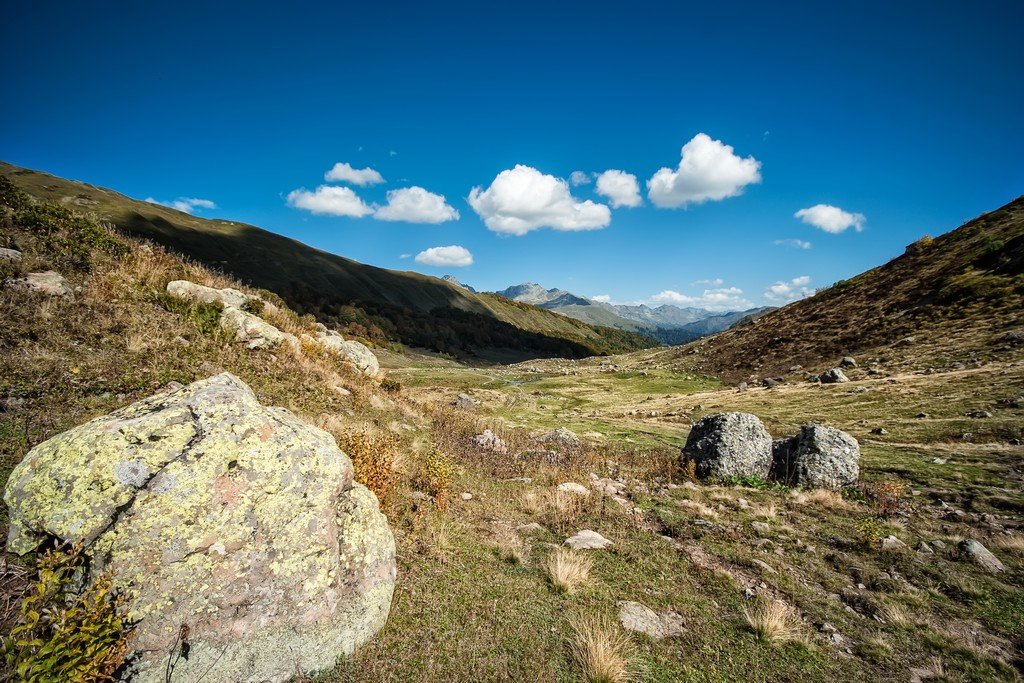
212	511
361	357
818	457
729	445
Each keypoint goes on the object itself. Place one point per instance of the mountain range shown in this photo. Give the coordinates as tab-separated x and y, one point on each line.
667	323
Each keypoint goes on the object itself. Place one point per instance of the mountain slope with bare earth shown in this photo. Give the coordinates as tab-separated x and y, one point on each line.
371	302
955	298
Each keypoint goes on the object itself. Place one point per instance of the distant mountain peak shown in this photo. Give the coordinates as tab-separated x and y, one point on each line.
455	281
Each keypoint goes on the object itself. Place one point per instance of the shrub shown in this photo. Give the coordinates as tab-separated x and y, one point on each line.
888	496
436	477
63	635
205	316
870	533
511	547
391	385
373	458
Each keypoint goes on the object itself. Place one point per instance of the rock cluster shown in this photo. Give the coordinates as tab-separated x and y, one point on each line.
256	333
50	283
211	510
727	445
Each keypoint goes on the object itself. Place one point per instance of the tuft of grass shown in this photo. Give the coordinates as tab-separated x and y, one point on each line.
1011	544
511	547
772	620
603	651
568	570
896	614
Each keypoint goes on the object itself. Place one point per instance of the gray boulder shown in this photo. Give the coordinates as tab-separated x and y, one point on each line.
729	445
360	356
465	402
50	283
818	457
981	556
566	438
587	540
211	510
640	618
833	376
9	254
848	362
254	331
190	291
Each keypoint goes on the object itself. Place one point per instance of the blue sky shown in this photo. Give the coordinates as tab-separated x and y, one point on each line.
906	116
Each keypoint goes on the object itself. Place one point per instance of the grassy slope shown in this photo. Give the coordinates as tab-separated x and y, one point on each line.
314	281
961	291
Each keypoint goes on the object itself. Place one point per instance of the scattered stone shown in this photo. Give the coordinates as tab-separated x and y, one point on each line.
938	461
1015	402
341	391
530	529
742	387
818	457
464	402
893	544
574	488
771	382
833	376
742	503
489	441
1014	337
979	414
981	556
566	438
937	544
253	331
729	445
760	528
764	566
924	548
880	431
181	341
49	282
642	619
465	495
209	509
190	291
848	362
12	255
921	415
587	540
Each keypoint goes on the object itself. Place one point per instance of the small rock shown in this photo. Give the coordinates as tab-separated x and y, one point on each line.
466	495
981	556
760	528
893	544
530	529
50	283
574	488
464	402
642	619
979	414
587	540
490	441
833	376
924	548
10	255
341	391
880	431
848	362
937	544
764	566
921	415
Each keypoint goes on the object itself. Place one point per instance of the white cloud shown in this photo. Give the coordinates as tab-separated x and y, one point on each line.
416	205
831	218
344	173
708	170
713	282
619	187
602	298
578	178
185	204
522	199
795	243
329	201
452	256
783	292
719	299
404	255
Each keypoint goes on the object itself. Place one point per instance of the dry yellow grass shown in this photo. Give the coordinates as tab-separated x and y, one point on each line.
568	570
768	511
698	508
772	620
511	547
896	614
603	651
1011	544
821	497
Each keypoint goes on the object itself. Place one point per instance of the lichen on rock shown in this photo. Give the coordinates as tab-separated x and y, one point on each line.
211	510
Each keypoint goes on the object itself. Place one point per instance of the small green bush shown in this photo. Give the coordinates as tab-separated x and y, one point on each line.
205	316
63	634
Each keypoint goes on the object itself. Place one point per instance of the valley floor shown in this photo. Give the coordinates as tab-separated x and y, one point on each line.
475	600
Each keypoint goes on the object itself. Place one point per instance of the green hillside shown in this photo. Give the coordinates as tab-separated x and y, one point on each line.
375	303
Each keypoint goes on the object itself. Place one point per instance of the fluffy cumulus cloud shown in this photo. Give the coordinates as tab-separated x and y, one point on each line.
709	170
602	298
522	199
620	188
344	173
785	291
717	299
186	204
579	178
795	243
452	256
416	205
329	201
831	218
